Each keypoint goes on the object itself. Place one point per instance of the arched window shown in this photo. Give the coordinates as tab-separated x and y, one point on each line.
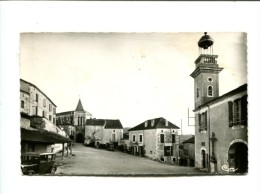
210	91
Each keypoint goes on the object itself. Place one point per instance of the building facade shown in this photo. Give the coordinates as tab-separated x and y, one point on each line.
77	119
101	132
187	152
35	103
38	117
220	121
157	139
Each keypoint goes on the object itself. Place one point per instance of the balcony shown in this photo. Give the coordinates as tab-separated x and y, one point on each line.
206	59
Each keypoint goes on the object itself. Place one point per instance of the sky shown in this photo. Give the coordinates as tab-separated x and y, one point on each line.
128	76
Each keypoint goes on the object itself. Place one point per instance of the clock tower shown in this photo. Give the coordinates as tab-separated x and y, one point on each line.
206	79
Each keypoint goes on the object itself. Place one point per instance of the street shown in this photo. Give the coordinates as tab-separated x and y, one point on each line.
91	161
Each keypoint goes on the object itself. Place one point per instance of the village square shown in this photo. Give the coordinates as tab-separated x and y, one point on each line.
75	142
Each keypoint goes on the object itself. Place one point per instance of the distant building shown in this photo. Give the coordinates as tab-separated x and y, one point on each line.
102	131
220	121
38	117
76	119
157	139
187	152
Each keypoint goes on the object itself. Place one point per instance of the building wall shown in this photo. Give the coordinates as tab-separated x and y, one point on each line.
152	146
93	131
65	118
218	123
70	130
107	135
45	108
79	118
160	153
24	100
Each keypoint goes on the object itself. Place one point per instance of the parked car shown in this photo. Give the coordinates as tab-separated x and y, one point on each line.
110	147
38	163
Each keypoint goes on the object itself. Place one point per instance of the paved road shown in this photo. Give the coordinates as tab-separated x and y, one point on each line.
92	161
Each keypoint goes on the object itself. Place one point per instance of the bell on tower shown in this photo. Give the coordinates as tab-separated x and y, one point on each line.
206	80
206	44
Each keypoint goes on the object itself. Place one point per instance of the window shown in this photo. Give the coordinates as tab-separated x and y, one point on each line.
113	139
185	152
145	124
162	138
54	110
237	107
50	118
36	97
133	138
210	79
35	110
22	104
50	107
202	121
166	123
140	138
54	121
237	111
173	138
202	143
210	91
44	102
198	92
167	150
152	122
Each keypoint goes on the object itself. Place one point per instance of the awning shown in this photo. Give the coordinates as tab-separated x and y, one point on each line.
43	136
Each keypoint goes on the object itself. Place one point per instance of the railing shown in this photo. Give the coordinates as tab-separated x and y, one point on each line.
207	59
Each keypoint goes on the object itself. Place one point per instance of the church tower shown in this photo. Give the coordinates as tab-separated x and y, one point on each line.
206	79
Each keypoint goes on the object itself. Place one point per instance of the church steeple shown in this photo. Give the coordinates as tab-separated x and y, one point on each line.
80	107
206	79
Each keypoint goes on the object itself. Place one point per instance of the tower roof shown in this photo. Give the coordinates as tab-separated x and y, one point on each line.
79	106
205	41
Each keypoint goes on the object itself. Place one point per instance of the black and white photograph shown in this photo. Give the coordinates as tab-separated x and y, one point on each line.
123	97
133	103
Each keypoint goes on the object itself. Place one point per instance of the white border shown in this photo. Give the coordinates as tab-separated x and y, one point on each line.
16	17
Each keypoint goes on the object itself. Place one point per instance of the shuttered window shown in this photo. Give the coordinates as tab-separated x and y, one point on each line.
237	111
244	110
230	113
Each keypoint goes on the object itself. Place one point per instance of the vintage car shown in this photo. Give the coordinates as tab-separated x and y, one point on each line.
38	163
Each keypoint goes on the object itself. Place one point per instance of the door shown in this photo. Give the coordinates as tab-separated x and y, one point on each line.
203	154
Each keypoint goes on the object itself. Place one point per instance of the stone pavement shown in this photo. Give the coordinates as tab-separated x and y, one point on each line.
98	162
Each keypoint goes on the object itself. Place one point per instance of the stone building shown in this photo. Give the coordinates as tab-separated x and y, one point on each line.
100	132
220	121
74	122
187	152
35	103
38	117
157	139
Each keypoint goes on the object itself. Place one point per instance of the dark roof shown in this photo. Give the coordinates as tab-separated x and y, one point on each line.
113	124
79	106
158	123
95	122
191	140
183	138
25	89
231	93
65	113
108	123
43	136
